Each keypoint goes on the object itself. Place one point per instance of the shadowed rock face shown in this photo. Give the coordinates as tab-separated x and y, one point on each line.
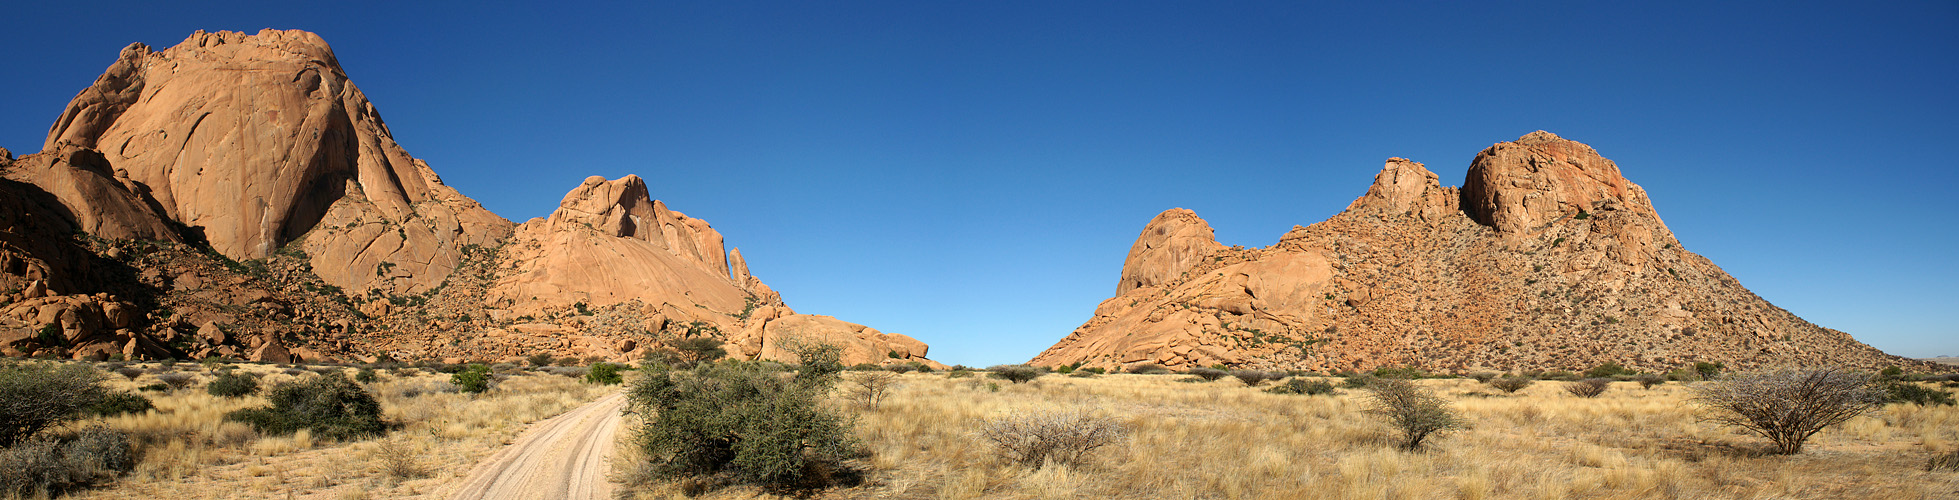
1547	258
253	141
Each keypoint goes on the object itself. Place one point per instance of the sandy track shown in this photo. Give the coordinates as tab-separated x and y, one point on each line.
564	457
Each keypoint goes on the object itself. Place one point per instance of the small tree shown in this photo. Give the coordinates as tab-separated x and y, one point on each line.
1706	370
541	359
1790	405
1588	388
473	379
1511	384
1017	373
697	350
870	387
1411	409
34	396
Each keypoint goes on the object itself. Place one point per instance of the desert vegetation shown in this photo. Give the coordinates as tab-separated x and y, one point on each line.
1164	436
230	430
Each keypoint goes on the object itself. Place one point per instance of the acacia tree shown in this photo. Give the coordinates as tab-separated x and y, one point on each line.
1415	411
1788	406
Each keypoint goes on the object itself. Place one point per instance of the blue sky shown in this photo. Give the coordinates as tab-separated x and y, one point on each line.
973	175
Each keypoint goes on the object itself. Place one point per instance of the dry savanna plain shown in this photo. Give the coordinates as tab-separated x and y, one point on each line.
1173	436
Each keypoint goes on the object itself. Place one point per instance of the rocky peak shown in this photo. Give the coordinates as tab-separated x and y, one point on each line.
1171	243
252	141
1521	186
1407	187
622	208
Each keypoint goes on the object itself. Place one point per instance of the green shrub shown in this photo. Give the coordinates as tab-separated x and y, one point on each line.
603	373
1064	369
1149	369
1357	381
331	405
959	373
232	384
865	367
697	350
1405	373
738	423
35	396
472	379
922	367
1558	375
1302	386
1890	373
1648	380
51	466
900	368
1016	373
1914	393
118	403
1095	370
366	376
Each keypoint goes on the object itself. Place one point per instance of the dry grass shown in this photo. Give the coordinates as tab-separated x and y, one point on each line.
1222	440
189	452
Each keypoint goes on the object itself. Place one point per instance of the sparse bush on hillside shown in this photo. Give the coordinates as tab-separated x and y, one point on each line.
50	466
332	406
1511	384
1588	388
1707	371
739	423
232	384
472	379
1302	386
35	396
1040	437
1252	378
1208	374
1607	370
541	359
1788	406
604	373
1016	373
1413	410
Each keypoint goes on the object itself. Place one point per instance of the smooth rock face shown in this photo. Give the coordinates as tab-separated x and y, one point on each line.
255	140
1172	242
1522	186
1552	261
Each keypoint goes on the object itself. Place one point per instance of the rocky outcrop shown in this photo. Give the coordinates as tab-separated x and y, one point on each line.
1550	260
237	196
1172	242
610	245
253	142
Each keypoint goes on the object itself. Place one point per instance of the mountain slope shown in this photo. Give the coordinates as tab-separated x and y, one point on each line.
1547	258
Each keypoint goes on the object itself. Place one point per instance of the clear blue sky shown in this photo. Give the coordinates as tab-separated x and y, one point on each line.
973	175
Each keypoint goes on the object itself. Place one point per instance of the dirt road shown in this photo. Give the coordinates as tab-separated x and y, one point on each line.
564	457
